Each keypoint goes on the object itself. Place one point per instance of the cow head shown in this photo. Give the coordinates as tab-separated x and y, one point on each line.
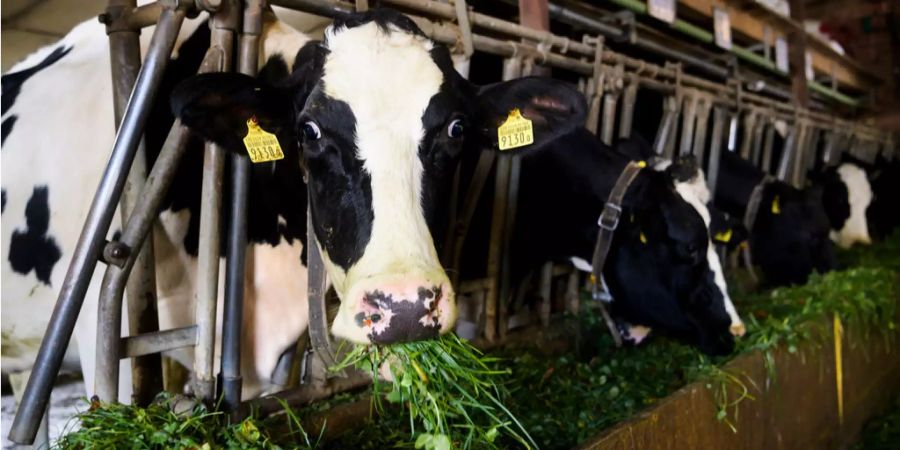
789	238
726	230
846	195
674	250
381	119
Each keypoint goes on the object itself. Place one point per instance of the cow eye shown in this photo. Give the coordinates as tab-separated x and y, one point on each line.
310	131
455	129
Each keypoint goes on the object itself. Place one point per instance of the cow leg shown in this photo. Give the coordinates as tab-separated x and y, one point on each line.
17	381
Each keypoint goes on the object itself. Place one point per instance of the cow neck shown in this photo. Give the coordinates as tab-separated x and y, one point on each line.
607	223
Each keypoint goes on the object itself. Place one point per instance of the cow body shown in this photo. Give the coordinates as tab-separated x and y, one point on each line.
789	238
661	270
53	158
846	196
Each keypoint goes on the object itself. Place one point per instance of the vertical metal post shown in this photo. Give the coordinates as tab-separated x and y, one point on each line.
768	144
703	106
689	120
222	34
248	54
828	151
758	130
812	151
669	149
715	150
511	69
627	118
125	62
546	293
787	154
87	251
749	128
665	126
797	166
609	115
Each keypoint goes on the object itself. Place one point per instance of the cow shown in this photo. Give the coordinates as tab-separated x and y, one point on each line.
789	238
373	117
846	196
661	271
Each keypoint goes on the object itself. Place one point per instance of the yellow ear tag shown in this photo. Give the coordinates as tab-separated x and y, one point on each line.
724	236
262	146
515	132
776	206
643	238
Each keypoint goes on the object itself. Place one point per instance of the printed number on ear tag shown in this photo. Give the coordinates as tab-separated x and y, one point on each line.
262	146
515	132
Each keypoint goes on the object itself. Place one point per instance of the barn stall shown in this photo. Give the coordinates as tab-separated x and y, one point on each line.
719	88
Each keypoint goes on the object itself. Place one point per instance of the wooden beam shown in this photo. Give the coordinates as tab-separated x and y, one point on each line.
797	55
750	20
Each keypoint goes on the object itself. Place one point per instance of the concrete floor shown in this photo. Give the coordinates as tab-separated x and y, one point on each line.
28	25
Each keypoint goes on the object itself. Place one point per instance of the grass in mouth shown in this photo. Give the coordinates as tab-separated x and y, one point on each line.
452	392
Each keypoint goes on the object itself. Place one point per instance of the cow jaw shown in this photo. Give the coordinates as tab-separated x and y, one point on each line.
397	290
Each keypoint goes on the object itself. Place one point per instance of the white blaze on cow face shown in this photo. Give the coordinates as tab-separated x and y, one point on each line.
697	194
856	227
387	78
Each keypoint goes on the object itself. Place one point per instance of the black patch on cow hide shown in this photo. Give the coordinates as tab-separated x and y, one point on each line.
32	249
12	82
7	127
409	328
3	198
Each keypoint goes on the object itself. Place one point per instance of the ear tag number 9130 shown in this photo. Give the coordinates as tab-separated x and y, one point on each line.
262	146
515	132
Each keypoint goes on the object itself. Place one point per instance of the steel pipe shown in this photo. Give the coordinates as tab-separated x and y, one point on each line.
627	114
160	341
715	150
88	249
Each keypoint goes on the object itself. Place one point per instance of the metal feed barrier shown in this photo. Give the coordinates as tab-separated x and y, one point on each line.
608	77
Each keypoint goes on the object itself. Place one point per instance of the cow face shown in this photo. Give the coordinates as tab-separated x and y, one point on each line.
846	195
679	285
790	236
382	119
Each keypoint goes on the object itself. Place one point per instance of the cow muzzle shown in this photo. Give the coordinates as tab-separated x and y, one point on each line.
399	310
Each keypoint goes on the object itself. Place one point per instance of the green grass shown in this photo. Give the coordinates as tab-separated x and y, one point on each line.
446	393
883	432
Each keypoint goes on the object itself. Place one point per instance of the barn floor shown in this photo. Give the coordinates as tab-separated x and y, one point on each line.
66	400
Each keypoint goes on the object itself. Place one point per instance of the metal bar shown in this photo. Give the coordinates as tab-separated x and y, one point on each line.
715	150
766	163
747	139
209	245
627	114
159	341
787	154
689	120
665	126
125	62
87	250
143	16
134	234
232	319
545	290
799	150
756	149
703	108
609	116
307	394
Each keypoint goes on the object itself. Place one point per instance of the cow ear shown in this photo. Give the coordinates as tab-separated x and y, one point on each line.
217	106
552	107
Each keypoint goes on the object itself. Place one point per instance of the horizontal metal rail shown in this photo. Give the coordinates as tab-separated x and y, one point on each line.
159	341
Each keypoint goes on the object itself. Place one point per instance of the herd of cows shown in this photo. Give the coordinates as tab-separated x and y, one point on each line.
373	121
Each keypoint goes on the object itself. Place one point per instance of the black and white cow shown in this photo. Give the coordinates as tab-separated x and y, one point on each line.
662	271
382	118
790	237
846	196
57	132
374	116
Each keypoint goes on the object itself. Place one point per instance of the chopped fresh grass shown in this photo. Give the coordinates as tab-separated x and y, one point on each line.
883	432
449	389
446	393
162	426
